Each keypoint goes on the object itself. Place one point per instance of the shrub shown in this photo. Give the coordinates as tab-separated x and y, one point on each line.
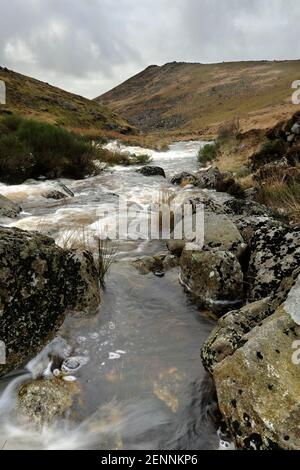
16	160
208	153
270	151
30	149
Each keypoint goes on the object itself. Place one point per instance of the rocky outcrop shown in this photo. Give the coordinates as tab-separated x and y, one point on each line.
228	335
275	255
8	208
254	357
258	387
39	283
214	278
152	171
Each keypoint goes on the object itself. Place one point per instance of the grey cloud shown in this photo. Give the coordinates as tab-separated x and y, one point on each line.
88	46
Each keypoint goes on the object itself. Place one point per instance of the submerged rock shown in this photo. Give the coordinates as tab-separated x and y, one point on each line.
214	278
8	208
43	401
39	284
157	264
152	171
54	195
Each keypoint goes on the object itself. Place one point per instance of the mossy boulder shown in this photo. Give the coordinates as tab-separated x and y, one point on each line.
258	387
39	283
214	278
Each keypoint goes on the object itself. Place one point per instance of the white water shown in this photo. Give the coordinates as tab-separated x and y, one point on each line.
142	350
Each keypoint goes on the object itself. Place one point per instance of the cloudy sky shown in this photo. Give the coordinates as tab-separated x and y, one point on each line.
89	46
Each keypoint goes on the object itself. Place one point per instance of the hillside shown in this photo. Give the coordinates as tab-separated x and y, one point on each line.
187	98
32	98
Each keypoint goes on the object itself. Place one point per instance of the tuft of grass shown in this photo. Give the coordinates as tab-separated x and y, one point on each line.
104	257
280	196
102	249
208	153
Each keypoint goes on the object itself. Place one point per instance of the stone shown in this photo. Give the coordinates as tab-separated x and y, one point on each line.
8	208
39	284
292	303
228	335
152	171
209	178
42	402
54	195
296	129
157	264
275	255
222	234
214	278
218	233
184	177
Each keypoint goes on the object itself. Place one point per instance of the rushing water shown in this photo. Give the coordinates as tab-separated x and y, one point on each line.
143	386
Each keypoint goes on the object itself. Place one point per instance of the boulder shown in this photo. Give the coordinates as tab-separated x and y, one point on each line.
258	386
214	278
231	329
41	402
209	178
8	208
219	233
222	234
184	177
228	335
54	195
208	202
212	178
152	171
39	283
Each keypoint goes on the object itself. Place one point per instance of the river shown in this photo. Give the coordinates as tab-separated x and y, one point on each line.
143	386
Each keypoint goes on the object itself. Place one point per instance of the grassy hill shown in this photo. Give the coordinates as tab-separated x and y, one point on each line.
195	99
32	98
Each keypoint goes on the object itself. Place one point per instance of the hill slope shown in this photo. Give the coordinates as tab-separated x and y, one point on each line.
196	98
32	98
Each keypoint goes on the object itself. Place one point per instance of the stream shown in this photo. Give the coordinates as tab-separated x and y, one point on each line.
143	385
